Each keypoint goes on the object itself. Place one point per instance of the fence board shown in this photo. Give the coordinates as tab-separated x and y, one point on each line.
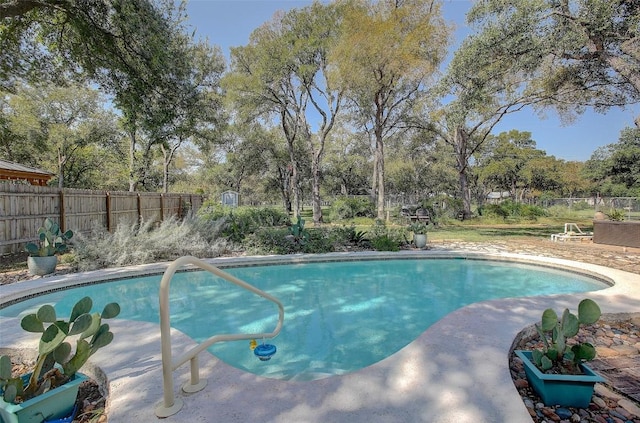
24	207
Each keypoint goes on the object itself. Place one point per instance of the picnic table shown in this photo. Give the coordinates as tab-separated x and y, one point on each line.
418	215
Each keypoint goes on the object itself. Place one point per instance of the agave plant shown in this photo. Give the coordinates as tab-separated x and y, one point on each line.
53	349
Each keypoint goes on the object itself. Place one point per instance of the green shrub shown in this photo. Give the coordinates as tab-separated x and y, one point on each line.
242	221
581	205
615	215
562	212
345	237
349	208
387	239
280	241
511	209
384	243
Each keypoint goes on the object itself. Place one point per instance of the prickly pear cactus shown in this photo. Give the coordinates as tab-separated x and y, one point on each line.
556	351
11	387
51	240
53	347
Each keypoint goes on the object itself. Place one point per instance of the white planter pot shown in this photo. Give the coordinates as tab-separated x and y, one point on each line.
41	266
420	240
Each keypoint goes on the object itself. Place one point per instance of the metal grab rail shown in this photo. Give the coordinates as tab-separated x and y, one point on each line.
171	404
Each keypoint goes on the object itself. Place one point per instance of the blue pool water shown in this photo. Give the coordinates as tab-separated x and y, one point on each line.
339	316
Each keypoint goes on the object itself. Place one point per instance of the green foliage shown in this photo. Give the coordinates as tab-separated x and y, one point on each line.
511	209
51	240
242	221
133	243
557	352
297	232
520	36
357	238
615	215
279	241
563	212
387	239
418	227
384	243
344	208
320	240
91	335
616	167
581	205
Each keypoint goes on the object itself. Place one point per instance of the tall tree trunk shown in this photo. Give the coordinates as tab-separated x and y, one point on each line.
295	190
284	188
133	180
460	145
380	166
378	128
290	128
315	190
165	168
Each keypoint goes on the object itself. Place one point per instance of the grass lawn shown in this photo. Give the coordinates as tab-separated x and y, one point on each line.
480	233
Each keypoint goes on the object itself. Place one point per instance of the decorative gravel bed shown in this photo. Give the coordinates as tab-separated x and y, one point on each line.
618	361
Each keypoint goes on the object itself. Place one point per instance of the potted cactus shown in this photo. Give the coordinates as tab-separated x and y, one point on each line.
50	390
51	240
557	371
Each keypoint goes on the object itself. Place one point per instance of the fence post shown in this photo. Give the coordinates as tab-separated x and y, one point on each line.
139	208
62	216
108	203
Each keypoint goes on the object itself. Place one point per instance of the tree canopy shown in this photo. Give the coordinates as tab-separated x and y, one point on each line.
576	53
388	52
120	44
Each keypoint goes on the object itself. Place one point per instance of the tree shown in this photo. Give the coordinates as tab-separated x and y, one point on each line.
578	52
506	156
486	84
70	126
348	166
618	164
284	72
261	84
135	50
386	54
119	44
196	115
315	31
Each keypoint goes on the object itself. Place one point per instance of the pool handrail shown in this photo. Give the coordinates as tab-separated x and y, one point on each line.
171	404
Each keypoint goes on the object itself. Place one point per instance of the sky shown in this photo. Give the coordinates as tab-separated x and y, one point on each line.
228	23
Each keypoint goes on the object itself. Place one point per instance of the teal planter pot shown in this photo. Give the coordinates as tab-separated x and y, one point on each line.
564	390
55	404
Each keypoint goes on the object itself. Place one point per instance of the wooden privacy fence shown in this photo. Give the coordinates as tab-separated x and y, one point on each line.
23	208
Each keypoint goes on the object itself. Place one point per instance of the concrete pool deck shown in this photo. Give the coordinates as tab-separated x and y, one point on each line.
456	371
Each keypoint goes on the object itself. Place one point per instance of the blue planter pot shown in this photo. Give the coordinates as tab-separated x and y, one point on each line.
54	404
564	390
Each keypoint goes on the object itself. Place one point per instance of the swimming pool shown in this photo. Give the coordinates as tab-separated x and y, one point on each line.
340	316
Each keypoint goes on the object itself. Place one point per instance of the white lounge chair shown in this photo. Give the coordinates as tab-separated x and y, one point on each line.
572	233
